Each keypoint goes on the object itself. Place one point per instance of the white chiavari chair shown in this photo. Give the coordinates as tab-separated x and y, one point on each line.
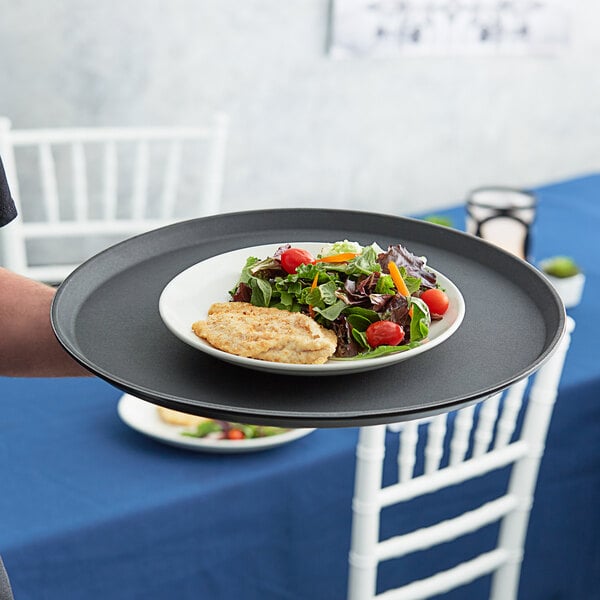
74	186
504	431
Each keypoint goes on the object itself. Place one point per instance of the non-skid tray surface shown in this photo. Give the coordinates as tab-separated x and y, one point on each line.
106	315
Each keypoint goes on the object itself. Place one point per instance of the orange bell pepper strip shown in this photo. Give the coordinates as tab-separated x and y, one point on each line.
311	312
399	282
338	258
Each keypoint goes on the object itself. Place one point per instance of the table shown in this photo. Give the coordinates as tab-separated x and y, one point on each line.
91	509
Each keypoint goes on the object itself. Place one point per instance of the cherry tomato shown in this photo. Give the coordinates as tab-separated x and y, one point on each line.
384	333
436	300
235	434
294	257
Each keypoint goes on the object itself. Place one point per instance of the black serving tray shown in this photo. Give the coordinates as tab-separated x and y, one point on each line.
106	316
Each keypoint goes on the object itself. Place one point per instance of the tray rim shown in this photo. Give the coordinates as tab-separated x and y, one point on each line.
264	416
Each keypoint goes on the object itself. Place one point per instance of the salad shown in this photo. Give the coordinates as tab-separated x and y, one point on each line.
225	430
376	301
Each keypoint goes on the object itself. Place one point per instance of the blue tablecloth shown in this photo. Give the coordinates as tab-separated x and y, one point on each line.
92	509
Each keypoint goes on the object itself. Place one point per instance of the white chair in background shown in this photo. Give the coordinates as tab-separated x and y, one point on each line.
103	183
476	446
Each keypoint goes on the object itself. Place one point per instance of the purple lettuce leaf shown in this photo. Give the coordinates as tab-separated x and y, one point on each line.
414	265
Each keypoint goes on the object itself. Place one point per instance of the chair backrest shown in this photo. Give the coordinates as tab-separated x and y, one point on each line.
501	432
86	188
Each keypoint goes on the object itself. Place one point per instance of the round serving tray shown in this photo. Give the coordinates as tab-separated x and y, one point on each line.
106	316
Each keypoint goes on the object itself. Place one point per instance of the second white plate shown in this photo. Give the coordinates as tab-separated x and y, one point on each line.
189	295
143	417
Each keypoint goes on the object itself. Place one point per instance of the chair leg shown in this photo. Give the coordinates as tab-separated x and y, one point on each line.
362	581
505	582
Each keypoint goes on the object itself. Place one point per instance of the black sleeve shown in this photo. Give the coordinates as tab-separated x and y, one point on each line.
7	207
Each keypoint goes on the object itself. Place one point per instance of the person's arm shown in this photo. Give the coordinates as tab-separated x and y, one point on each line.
28	346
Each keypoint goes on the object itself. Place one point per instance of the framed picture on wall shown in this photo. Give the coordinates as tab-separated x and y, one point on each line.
389	28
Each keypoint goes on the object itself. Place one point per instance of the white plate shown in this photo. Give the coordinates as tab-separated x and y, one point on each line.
188	296
143	417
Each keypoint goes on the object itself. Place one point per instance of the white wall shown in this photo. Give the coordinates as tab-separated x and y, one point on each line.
392	135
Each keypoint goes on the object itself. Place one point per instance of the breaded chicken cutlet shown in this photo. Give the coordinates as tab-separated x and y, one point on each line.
175	417
268	334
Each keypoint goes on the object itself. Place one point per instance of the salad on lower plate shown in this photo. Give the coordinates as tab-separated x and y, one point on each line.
376	301
225	430
203	427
